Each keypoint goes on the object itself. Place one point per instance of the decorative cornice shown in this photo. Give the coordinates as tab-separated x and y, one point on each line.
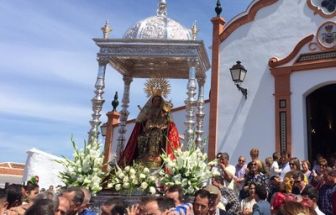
123	55
275	61
248	17
318	56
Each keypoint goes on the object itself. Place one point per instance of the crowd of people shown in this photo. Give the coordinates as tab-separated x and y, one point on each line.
280	185
29	200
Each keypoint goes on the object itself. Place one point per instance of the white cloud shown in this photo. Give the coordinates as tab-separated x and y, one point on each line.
18	105
72	66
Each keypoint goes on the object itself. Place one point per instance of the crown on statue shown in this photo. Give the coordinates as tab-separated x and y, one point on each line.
157	87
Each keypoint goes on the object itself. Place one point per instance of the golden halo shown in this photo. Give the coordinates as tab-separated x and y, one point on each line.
157	87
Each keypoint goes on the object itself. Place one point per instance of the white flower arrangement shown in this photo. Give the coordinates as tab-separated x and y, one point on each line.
133	178
85	170
189	169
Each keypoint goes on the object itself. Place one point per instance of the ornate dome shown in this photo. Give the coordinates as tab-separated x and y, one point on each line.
158	27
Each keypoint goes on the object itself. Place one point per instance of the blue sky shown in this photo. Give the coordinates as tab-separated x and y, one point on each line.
48	65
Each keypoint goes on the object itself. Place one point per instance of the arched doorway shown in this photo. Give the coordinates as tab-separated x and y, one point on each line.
321	121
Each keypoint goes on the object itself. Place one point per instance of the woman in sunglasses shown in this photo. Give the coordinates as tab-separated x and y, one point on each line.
253	176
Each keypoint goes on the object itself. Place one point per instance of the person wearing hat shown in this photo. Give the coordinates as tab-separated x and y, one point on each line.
228	198
215	205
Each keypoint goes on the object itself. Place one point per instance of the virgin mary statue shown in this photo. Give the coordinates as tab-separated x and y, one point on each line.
154	131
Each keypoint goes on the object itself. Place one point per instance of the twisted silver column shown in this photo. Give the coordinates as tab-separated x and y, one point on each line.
97	100
123	116
190	103
200	113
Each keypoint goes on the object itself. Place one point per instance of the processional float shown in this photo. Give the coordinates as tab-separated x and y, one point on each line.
155	46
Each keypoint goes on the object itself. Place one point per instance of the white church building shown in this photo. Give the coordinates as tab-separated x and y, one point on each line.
288	48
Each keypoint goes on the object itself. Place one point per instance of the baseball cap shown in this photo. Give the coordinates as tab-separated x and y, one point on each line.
212	189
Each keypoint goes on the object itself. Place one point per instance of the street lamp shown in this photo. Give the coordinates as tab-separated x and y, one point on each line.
103	129
238	73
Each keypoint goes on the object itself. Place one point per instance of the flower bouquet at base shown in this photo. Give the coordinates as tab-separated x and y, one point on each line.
189	169
85	170
132	179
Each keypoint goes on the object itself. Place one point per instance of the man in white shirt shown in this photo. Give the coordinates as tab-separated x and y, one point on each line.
275	169
284	164
227	170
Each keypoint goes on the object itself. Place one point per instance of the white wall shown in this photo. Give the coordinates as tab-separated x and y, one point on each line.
276	30
244	124
43	165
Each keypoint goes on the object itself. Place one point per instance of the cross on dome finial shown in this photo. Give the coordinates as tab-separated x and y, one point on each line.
194	30
106	29
162	10
218	8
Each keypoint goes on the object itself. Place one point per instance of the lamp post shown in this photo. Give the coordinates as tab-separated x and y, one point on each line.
103	129
107	131
238	73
